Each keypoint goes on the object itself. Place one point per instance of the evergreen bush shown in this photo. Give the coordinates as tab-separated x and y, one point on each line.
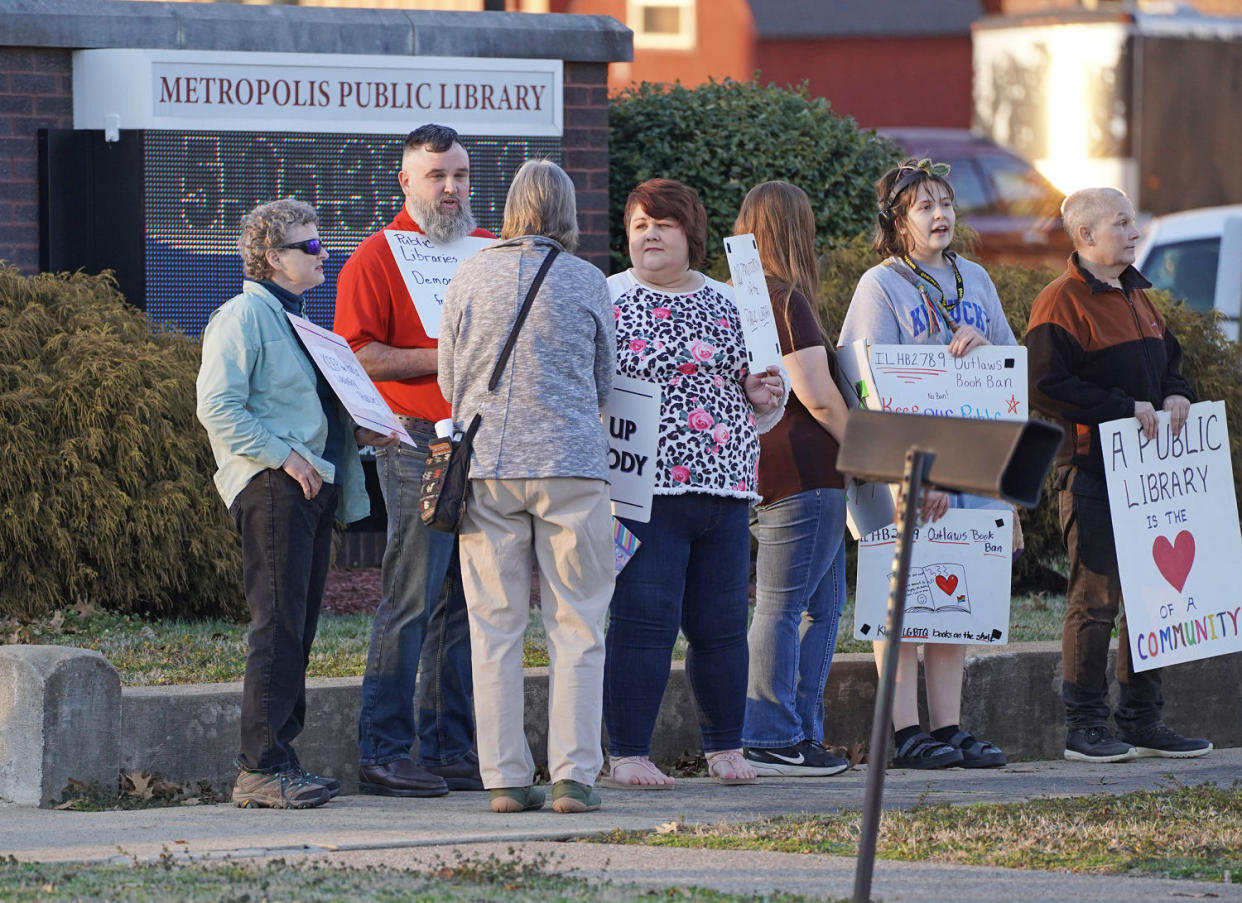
723	138
106	496
1211	363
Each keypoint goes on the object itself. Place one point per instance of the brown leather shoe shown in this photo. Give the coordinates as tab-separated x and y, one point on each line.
462	774
400	777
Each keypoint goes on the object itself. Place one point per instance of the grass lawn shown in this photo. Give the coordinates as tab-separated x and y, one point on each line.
464	881
1180	832
151	653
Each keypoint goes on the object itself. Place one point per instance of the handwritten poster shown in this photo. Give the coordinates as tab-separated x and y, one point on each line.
336	361
958	589
754	307
632	418
427	268
1175	522
989	383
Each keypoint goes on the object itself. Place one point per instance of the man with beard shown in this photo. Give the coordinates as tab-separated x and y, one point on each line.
422	611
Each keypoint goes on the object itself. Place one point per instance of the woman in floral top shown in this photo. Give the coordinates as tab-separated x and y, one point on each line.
680	330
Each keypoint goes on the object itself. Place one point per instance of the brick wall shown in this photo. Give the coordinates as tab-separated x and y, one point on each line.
585	146
35	93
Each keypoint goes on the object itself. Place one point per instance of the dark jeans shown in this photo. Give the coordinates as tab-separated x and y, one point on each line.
421	636
692	570
1093	603
286	549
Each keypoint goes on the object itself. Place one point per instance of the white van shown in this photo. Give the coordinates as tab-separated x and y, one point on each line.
1197	255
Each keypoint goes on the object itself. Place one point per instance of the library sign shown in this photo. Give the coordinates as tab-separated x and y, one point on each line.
310	92
220	132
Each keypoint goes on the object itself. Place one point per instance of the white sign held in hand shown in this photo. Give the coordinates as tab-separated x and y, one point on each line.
336	361
632	419
958	589
427	268
1175	527
750	292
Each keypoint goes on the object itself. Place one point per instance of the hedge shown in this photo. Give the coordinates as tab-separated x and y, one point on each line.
723	138
106	497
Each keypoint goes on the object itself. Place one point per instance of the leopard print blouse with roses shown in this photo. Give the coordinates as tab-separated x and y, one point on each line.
691	346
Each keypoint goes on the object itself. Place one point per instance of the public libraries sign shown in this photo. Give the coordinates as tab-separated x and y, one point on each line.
190	90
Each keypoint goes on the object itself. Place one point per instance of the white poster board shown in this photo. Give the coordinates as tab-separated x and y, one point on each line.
754	307
336	361
989	383
1175	523
958	591
427	268
632	419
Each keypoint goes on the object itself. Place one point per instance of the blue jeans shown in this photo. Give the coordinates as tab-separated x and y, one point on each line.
800	589
286	547
421	615
692	570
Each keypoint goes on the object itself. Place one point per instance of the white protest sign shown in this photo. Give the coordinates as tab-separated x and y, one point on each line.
1175	524
754	307
988	383
427	268
336	361
632	418
958	591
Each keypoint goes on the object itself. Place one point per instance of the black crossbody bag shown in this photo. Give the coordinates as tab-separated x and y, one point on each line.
446	478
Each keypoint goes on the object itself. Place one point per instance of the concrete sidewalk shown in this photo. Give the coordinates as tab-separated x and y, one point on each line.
405	833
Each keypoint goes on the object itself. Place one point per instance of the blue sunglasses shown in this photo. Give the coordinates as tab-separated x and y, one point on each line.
311	246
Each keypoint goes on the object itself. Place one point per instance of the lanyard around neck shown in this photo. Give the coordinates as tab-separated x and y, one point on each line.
927	277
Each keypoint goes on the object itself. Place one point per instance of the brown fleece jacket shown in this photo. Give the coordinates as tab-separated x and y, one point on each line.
1094	350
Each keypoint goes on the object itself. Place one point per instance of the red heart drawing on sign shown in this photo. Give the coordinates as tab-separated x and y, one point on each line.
1174	559
947	584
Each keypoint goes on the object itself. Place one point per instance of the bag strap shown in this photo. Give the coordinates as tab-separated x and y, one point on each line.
521	318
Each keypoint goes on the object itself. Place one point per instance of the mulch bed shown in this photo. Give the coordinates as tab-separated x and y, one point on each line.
351	591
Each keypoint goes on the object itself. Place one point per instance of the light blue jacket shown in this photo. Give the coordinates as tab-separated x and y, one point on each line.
257	400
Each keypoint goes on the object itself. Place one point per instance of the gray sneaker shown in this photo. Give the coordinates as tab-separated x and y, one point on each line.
286	789
1097	744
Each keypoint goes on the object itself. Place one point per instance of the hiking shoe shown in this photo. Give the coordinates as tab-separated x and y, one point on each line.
573	796
805	759
332	785
1097	744
1161	742
516	799
277	790
926	752
976	753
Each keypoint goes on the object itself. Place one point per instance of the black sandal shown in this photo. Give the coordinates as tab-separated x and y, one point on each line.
977	753
924	751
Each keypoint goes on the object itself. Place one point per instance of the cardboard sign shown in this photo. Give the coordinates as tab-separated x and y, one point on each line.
989	383
427	269
958	591
1175	522
754	307
336	361
632	419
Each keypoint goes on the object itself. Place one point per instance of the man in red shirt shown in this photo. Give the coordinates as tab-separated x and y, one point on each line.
422	611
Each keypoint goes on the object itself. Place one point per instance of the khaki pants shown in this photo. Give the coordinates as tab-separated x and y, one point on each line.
566	523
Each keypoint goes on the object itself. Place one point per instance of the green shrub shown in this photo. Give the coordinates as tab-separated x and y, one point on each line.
1213	365
106	497
723	138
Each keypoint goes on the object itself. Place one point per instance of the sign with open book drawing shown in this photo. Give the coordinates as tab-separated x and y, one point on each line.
958	591
427	269
1175	523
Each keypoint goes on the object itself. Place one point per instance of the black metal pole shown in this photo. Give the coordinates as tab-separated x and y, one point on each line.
917	465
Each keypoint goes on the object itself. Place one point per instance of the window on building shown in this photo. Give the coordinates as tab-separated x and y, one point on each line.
662	24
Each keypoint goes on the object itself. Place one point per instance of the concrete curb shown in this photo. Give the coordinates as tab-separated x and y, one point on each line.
189	733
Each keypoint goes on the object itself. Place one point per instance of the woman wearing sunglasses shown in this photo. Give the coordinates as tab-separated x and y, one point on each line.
923	293
288	468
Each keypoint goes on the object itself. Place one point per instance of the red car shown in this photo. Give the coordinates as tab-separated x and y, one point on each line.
1014	209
